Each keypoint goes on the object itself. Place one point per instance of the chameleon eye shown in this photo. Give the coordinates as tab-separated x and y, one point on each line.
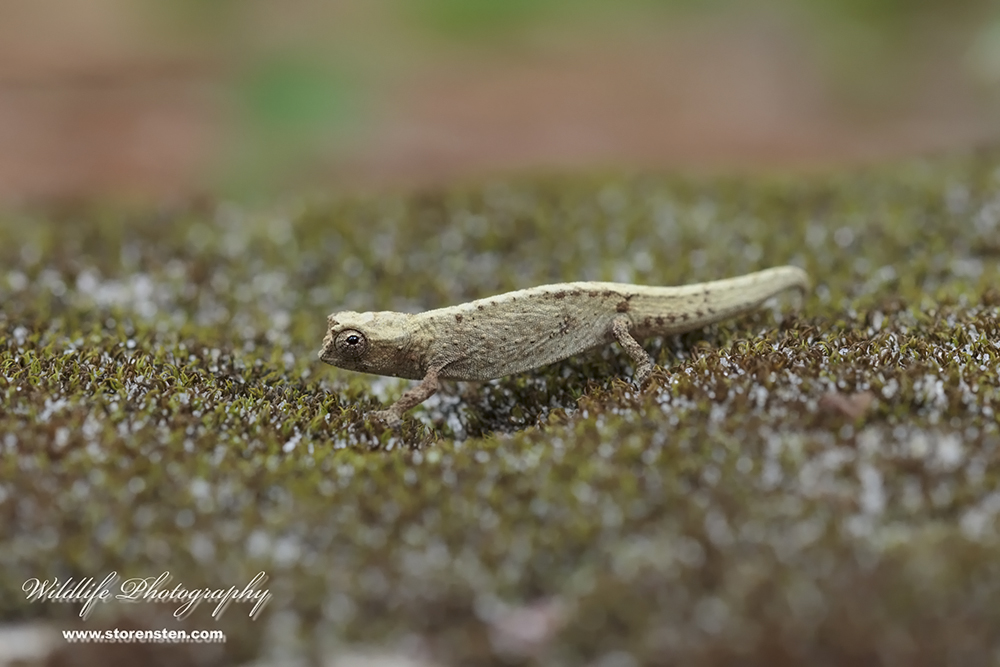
351	343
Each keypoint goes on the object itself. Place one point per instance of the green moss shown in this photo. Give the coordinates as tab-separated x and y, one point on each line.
163	409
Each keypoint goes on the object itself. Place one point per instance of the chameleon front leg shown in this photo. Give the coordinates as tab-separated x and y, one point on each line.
393	415
642	360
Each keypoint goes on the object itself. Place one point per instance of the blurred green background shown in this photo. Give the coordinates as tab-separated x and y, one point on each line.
179	96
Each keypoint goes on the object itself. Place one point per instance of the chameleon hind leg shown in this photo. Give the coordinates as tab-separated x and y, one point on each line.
642	359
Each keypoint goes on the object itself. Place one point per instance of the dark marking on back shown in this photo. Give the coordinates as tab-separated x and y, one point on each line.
561	294
659	320
622	306
698	313
480	307
685	316
711	311
458	318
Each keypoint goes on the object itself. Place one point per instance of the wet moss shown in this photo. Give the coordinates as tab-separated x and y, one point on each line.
163	409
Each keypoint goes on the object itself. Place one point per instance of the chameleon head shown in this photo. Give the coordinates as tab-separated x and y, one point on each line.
377	343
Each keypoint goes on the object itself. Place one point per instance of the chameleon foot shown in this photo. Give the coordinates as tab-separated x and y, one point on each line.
387	418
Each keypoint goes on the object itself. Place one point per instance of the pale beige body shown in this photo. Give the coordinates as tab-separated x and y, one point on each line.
518	331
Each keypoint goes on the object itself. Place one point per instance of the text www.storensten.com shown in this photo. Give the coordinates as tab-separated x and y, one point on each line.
164	636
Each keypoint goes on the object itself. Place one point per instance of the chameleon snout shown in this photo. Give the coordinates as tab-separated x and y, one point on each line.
324	352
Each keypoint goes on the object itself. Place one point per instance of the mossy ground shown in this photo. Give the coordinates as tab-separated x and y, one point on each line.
162	408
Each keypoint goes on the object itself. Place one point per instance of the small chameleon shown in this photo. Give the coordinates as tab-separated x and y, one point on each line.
518	331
